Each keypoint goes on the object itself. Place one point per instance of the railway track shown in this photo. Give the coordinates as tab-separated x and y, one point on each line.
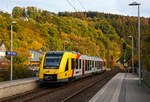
102	82
64	93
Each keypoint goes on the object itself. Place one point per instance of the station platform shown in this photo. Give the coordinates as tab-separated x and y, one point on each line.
123	88
14	87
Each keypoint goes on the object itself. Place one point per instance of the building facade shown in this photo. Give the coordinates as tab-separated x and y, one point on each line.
35	58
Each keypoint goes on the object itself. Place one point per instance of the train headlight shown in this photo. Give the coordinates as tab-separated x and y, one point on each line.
51	72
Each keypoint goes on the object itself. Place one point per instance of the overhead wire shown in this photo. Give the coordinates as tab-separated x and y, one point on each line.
76	12
81	5
77	2
71	5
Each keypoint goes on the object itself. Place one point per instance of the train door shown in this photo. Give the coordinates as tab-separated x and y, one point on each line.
103	66
83	68
70	68
65	74
74	66
101	63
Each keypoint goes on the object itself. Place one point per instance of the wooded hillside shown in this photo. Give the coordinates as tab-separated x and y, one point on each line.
96	33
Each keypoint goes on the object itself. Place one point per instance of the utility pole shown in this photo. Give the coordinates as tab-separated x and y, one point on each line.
132	53
64	45
79	46
86	50
107	56
93	52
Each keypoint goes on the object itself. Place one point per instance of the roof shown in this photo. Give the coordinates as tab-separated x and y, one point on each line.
2	46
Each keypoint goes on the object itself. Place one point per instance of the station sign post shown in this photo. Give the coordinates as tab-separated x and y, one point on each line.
11	53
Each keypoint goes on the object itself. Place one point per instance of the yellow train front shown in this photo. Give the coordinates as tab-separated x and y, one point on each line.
59	66
56	67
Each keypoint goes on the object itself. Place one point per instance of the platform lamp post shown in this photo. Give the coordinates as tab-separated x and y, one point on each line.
132	53
139	38
79	46
86	50
64	45
11	64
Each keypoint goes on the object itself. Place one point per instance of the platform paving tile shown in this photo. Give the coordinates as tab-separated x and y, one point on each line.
123	88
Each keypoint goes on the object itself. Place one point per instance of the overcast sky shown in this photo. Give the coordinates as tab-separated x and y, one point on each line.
106	6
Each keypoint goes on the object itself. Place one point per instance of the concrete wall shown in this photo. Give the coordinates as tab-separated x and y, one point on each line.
14	87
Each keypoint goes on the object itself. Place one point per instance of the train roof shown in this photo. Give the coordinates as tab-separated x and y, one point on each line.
91	58
55	52
82	56
61	52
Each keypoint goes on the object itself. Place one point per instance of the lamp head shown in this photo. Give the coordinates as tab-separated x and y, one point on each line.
13	22
130	36
134	4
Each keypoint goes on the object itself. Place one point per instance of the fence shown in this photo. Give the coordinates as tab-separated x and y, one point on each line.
145	76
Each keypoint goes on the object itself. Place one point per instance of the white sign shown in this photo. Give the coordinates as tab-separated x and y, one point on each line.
2	53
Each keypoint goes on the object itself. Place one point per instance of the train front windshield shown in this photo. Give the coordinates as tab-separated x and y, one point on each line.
52	61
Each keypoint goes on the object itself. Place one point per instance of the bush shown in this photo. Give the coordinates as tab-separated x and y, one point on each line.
19	71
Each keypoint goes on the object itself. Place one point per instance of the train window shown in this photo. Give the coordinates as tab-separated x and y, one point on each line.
83	64
97	64
76	64
86	65
101	64
90	65
72	63
80	63
66	66
93	64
